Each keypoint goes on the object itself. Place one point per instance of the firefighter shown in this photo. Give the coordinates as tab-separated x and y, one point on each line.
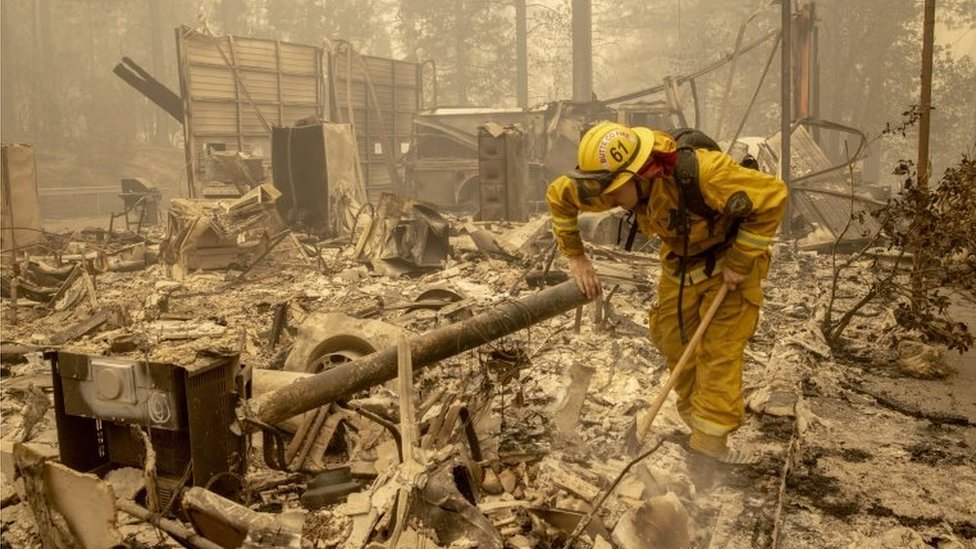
715	231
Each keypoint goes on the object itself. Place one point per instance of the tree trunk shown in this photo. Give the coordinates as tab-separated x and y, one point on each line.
50	115
157	47
460	54
9	106
34	119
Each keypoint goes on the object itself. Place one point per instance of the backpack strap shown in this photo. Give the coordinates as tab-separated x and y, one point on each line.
690	199
630	218
696	139
689	188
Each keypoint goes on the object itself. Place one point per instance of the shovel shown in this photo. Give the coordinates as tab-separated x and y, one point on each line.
635	435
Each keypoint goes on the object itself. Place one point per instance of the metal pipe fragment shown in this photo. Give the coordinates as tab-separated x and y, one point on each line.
346	379
171	527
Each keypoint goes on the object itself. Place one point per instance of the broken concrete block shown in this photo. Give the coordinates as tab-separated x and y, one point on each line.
917	359
661	523
491	484
525	239
568	410
631	487
519	542
626	536
7	460
126	343
357	504
412	539
573	484
364	508
780	392
508	480
126	482
387	456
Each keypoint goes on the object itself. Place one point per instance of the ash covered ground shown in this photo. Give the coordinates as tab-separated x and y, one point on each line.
856	452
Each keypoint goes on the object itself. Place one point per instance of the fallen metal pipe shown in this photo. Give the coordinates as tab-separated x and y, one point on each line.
265	382
171	527
346	379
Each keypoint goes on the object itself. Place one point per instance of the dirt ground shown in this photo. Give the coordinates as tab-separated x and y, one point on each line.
861	455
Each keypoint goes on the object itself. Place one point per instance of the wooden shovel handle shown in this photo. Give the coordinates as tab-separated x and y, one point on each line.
644	424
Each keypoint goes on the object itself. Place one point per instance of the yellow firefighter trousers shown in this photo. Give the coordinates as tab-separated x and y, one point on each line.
710	388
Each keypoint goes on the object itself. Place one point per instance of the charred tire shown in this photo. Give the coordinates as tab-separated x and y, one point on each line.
325	340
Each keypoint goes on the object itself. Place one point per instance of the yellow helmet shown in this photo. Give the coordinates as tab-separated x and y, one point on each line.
609	154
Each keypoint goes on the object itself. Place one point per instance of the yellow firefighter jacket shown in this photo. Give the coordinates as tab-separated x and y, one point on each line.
755	199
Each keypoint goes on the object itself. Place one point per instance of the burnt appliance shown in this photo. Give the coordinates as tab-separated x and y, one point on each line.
101	403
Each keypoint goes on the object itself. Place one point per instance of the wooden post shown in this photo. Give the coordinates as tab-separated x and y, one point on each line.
237	91
582	25
408	427
281	101
925	107
413	464
188	141
521	56
13	300
786	109
925	102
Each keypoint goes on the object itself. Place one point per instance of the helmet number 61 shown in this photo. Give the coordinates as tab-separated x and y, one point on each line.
618	152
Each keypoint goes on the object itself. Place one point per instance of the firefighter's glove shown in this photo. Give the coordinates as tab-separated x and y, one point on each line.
585	276
732	278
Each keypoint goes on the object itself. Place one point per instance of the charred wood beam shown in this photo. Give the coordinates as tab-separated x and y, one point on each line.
505	318
887	401
157	92
784	476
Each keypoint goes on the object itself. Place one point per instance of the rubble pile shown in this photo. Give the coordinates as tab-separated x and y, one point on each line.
513	444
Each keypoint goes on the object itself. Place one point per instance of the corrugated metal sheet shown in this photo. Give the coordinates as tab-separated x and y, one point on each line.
384	125
824	199
236	88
